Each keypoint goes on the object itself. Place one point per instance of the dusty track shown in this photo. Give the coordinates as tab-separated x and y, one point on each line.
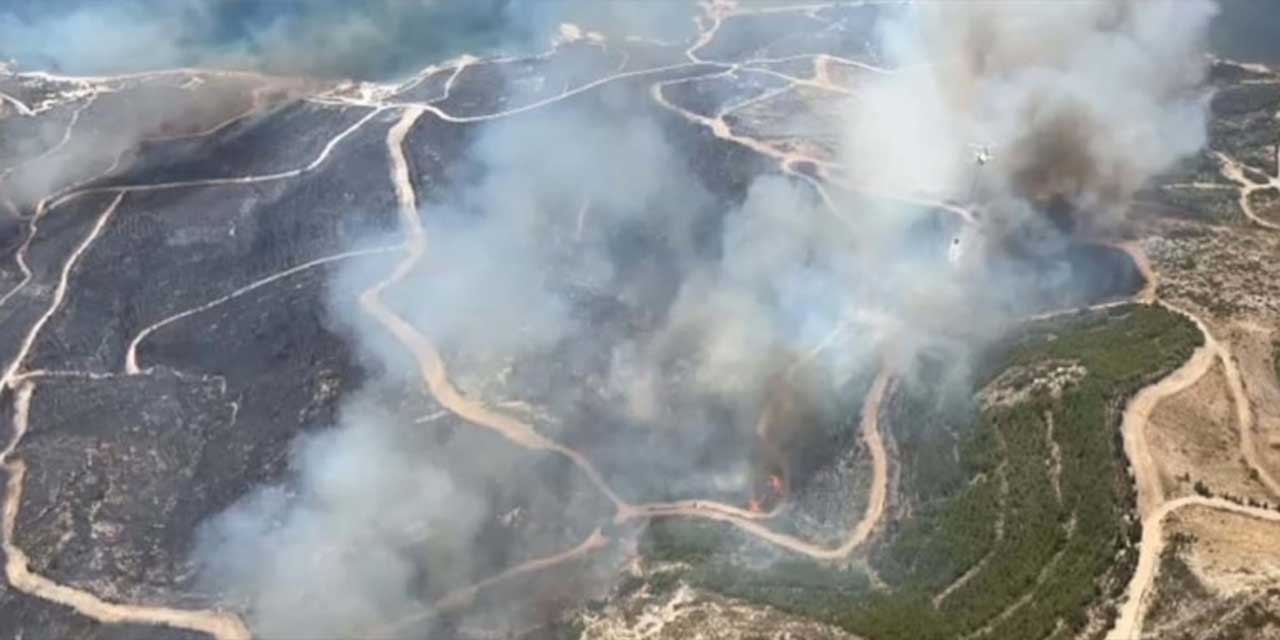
434	374
21	106
860	532
1233	170
131	354
464	597
1152	506
1129	623
222	625
430	363
1137	414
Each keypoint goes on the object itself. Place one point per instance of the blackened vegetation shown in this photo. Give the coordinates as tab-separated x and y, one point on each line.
171	250
490	87
111	128
1055	559
282	139
123	469
257	337
46	255
43	620
119	473
552	511
712	95
841	31
1243	126
428	88
809	424
22	139
647	259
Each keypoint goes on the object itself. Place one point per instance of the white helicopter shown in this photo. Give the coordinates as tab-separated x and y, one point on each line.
981	156
982	153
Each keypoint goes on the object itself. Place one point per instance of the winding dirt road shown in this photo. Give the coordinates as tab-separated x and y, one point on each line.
434	374
858	535
131	353
464	597
1152	506
1129	622
19	105
432	368
1234	170
222	625
1138	413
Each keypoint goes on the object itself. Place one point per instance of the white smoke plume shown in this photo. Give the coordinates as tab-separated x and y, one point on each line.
1080	102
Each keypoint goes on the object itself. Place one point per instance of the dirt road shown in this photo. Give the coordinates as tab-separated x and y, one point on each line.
1152	506
1129	622
859	534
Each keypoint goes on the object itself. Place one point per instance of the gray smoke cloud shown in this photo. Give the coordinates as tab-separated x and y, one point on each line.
337	553
1080	102
722	301
97	131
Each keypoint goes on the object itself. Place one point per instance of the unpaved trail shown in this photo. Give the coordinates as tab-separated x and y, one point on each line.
1152	506
1245	421
787	160
1026	598
1147	295
999	526
1129	622
1233	170
430	363
228	626
206	182
59	293
435	375
21	106
1137	414
41	208
860	532
222	625
62	142
55	200
219	624
255	103
1245	418
721	129
714	11
465	596
131	353
141	75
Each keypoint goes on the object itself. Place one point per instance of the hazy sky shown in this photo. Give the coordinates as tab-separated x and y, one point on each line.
364	38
